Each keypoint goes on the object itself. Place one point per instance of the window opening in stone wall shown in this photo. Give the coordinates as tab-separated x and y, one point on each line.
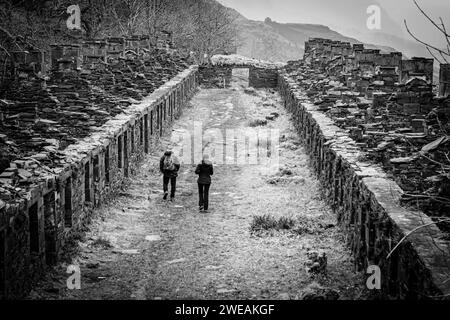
68	203
171	107
151	123
158	117
160	107
119	152
132	139
50	224
146	132
96	168
125	153
164	106
87	182
2	262
107	164
141	128
34	228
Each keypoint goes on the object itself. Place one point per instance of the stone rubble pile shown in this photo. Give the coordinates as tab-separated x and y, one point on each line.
388	106
40	115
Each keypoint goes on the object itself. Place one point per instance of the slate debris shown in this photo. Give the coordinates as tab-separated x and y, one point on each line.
317	262
41	115
393	115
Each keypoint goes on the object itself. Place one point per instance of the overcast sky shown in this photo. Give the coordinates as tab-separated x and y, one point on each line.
347	16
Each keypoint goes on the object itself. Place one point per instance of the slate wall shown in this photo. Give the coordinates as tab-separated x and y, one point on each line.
221	76
33	231
366	202
263	78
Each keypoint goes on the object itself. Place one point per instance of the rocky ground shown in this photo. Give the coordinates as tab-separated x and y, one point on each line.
267	235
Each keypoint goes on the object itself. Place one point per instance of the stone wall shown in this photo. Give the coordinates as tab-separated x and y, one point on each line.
263	78
366	202
33	230
220	76
21	62
416	67
215	76
444	80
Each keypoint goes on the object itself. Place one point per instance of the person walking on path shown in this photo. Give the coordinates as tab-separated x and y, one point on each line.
204	171
169	167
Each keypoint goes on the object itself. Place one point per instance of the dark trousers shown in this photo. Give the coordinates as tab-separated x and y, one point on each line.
173	185
203	195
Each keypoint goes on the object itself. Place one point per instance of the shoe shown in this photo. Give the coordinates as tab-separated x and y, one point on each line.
172	199
165	195
206	211
200	208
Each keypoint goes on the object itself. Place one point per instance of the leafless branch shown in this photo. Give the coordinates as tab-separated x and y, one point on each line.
424	43
438	199
4	50
10	37
411	232
445	32
431	20
443	57
432	54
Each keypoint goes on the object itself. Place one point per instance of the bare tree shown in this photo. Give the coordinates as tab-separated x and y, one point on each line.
94	15
440	26
201	26
128	15
215	29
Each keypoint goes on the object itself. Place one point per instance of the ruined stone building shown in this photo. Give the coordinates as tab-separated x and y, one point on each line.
377	136
375	131
70	136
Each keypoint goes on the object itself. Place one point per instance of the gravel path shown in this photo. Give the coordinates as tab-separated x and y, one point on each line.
141	247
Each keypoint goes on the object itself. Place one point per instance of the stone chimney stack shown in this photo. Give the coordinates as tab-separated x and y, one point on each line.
66	57
444	80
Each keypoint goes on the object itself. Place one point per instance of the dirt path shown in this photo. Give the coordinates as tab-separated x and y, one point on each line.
141	247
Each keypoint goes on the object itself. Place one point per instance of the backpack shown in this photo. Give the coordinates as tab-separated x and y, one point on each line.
168	163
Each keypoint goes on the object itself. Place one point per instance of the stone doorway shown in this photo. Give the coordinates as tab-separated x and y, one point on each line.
240	77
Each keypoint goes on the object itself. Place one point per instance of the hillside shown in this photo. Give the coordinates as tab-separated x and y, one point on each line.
273	41
282	42
349	18
203	27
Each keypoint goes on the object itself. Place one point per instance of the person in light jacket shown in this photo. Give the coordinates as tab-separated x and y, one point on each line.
204	171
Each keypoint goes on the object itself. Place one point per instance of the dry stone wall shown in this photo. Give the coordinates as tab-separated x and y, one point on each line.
34	229
367	205
220	76
263	78
215	76
444	80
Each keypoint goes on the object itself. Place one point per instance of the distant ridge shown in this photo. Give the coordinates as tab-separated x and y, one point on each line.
273	41
280	42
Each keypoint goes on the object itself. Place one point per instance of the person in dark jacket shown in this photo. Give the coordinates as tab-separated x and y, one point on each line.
204	171
169	167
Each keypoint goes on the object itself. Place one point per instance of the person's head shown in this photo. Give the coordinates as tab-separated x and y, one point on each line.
205	158
170	149
168	153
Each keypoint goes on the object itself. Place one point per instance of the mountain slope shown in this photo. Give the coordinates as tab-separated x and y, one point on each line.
283	41
274	41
